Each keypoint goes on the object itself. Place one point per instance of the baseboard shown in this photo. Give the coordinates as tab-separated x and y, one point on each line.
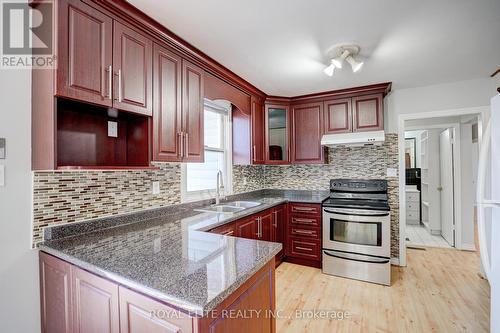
395	261
468	247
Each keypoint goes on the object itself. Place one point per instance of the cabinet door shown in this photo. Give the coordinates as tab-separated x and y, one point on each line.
337	116
141	314
247	228
192	112
368	113
55	295
257	131
266	223
306	133
85	54
167	77
95	303
277	139
278	228
226	229
133	70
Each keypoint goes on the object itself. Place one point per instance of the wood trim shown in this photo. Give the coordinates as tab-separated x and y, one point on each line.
384	88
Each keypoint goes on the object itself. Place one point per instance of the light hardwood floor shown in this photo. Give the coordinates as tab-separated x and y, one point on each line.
439	291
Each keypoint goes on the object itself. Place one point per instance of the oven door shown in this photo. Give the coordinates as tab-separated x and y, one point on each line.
357	231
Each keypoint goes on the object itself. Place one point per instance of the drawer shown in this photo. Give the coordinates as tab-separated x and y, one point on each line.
301	220
413	206
304	248
304	232
412	215
310	209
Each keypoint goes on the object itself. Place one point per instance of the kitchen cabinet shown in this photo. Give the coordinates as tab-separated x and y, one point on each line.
85	54
248	227
192	112
228	229
94	302
368	113
266	220
55	295
306	135
278	229
338	116
74	300
133	69
277	136
303	243
167	113
258	151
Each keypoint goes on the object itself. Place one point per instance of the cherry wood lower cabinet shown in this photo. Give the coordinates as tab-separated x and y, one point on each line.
74	300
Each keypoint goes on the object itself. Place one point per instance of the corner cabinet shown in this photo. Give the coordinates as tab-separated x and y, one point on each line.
306	135
277	134
258	151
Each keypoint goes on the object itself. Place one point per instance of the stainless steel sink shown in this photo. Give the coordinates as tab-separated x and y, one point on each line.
229	207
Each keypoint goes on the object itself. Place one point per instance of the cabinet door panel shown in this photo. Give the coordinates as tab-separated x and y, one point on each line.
257	131
278	228
167	78
266	221
368	113
277	136
247	228
55	295
137	315
338	116
132	62
192	112
95	303
85	54
307	132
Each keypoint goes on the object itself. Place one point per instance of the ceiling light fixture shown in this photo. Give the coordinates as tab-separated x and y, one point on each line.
346	53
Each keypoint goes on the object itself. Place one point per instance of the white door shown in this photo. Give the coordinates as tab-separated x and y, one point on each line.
446	171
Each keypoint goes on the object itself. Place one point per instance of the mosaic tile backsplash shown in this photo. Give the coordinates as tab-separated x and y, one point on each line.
62	197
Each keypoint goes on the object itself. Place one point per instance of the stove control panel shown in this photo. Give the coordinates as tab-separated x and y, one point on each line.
358	185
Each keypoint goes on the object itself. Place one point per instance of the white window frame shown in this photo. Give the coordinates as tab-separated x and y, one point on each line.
224	107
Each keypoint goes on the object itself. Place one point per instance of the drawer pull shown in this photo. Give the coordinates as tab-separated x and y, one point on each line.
305	232
303	248
304	209
299	220
228	233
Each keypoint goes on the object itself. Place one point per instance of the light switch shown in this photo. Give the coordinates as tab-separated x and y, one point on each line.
2	148
2	175
112	129
392	172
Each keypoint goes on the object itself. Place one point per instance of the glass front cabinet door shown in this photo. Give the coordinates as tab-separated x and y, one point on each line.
277	134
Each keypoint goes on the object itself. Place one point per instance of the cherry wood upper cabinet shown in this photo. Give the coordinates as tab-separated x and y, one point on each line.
167	113
84	54
306	133
277	136
338	116
258	151
133	69
368	113
95	303
55	295
192	112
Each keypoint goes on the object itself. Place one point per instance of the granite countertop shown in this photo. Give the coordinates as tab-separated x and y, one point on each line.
167	254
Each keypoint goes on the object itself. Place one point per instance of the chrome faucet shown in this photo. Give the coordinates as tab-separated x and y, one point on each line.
220	188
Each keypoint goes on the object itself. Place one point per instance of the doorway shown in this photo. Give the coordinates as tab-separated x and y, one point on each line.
437	180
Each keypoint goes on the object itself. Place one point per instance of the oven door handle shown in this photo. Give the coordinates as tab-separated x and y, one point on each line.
347	256
354	214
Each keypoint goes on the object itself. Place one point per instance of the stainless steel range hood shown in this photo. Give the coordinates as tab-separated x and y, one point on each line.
354	139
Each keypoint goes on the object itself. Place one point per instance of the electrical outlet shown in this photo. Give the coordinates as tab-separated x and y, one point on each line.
112	129
2	175
156	187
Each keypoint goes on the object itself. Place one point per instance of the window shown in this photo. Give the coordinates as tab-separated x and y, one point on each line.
199	180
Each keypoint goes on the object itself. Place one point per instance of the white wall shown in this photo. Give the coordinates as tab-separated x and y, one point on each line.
468	187
456	95
19	294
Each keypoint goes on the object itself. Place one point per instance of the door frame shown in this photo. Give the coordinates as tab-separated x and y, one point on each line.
483	112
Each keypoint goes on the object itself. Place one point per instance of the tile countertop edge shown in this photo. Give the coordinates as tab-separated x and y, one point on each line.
187	307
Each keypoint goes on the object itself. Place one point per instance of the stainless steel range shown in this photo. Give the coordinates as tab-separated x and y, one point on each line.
356	230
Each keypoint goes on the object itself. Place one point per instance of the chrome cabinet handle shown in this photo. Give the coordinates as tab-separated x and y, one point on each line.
109	70
119	85
228	233
304	209
306	221
305	232
186	143
303	248
253	153
180	146
275	221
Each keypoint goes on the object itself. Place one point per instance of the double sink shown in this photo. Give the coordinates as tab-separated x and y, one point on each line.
229	207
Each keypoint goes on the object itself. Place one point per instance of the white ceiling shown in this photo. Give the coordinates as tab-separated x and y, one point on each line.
280	46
